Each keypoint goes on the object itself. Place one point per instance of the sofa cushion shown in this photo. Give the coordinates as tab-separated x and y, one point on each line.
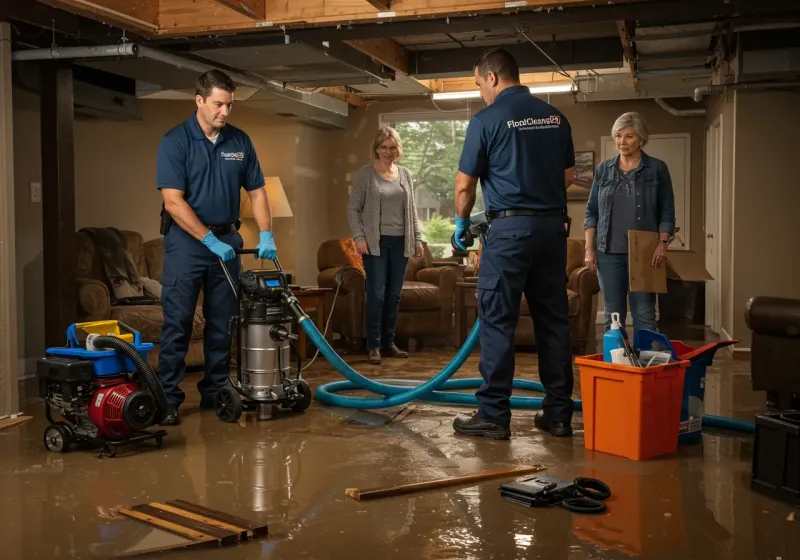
419	295
148	320
573	302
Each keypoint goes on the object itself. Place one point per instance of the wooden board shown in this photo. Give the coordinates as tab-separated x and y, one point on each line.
137	15
11	422
255	9
192	17
384	492
198	524
643	277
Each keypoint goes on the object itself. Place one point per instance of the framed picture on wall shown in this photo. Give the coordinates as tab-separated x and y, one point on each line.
584	171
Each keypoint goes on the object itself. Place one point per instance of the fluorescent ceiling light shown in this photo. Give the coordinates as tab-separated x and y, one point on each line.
554	88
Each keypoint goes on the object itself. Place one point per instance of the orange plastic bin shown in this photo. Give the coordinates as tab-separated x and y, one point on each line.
628	411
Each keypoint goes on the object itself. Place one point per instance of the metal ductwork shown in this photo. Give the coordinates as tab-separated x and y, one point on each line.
700	92
679	112
315	108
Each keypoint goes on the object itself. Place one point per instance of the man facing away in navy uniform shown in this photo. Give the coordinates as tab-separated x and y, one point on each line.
520	148
202	165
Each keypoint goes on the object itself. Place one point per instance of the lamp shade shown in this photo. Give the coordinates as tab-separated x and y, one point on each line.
278	203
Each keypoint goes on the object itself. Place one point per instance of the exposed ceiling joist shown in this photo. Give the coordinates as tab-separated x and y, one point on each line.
625	28
136	15
58	21
343	94
191	17
383	5
386	51
254	9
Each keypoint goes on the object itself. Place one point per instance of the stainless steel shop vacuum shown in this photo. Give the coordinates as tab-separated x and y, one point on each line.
260	332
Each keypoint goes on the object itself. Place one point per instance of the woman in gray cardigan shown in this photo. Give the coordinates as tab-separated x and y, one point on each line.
383	221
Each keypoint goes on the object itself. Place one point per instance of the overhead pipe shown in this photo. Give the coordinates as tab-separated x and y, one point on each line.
679	112
702	91
56	53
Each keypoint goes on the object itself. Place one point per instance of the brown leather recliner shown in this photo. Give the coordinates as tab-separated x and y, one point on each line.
426	302
95	302
775	348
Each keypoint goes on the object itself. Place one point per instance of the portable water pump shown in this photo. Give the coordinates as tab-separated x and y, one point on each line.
102	387
262	331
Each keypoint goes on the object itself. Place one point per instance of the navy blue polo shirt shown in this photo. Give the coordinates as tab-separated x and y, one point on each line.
519	147
210	175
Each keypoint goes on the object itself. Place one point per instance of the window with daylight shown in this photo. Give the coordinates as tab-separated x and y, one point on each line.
432	144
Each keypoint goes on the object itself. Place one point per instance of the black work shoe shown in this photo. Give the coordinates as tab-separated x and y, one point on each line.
558	429
477	426
172	418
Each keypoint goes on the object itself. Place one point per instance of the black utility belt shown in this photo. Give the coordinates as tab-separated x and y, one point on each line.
510	213
222	229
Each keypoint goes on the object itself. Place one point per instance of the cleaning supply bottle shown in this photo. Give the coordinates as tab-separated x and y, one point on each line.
612	339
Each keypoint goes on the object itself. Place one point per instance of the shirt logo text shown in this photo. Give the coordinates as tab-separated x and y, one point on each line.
531	123
233	156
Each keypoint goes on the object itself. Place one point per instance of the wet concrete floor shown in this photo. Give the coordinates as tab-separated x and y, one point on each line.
292	472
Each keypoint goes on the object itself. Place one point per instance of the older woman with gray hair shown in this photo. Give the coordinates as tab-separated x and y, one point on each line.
631	191
383	220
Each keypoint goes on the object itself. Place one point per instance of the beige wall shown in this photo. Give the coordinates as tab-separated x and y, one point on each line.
115	171
766	198
590	121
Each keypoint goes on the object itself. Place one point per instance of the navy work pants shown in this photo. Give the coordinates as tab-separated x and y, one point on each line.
188	266
385	275
524	254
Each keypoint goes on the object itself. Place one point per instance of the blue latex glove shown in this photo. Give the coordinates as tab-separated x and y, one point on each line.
462	225
266	245
222	250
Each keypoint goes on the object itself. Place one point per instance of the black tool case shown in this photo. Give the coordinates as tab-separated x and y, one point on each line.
776	456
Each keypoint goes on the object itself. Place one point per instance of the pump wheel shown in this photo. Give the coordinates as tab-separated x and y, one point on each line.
304	399
228	405
56	438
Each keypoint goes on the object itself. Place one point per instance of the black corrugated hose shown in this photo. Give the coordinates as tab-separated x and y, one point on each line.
147	377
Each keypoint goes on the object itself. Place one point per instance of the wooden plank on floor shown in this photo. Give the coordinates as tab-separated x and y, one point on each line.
223	535
384	492
11	422
168	526
240	532
256	529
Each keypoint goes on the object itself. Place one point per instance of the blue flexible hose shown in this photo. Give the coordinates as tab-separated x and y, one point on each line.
429	391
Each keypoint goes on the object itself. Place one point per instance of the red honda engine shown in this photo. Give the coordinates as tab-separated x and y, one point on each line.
119	408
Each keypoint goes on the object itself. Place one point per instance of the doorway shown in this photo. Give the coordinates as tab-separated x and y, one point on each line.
713	221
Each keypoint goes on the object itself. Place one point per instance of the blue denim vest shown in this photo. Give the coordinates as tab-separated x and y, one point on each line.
653	196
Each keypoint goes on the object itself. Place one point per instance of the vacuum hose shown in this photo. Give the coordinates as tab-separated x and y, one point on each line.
394	395
149	381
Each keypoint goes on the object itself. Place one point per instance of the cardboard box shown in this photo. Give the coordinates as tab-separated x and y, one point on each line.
687	266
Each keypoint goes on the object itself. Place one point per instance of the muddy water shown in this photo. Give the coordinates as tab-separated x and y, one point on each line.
292	472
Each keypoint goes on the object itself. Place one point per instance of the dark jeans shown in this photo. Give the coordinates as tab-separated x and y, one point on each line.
188	266
385	276
612	271
524	254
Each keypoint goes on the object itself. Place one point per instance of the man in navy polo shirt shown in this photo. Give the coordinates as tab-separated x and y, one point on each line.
521	150
202	165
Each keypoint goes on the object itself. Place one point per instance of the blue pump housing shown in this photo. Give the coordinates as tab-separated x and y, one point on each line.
105	362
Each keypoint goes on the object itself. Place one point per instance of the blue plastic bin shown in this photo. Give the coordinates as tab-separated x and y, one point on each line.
106	362
694	381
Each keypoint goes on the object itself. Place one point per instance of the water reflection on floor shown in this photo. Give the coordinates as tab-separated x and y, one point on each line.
292	473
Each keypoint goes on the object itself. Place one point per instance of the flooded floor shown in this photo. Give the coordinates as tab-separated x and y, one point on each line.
292	472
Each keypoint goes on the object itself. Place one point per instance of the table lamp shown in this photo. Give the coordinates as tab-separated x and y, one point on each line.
278	203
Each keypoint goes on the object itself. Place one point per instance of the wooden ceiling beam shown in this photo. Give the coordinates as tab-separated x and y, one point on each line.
388	52
141	16
254	9
382	5
343	94
197	17
625	28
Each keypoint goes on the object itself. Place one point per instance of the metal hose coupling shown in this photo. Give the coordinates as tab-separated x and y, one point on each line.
294	305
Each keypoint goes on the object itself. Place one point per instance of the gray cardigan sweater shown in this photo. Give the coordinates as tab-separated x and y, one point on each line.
364	211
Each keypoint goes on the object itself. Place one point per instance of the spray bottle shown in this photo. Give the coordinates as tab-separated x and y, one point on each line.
612	339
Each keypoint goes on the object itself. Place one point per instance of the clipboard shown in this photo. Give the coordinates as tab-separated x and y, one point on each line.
642	276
